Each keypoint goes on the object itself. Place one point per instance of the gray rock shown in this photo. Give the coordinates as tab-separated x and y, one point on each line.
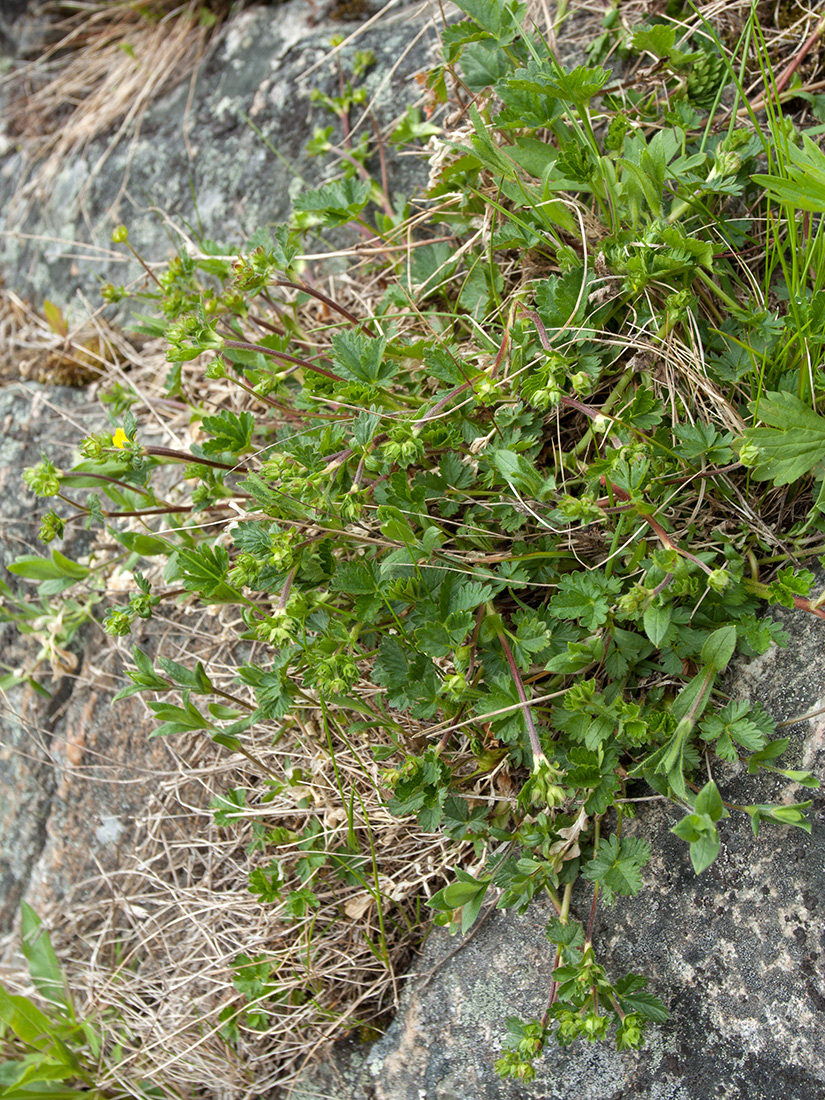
736	953
217	168
71	782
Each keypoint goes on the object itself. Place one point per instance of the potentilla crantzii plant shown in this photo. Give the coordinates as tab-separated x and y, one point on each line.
515	517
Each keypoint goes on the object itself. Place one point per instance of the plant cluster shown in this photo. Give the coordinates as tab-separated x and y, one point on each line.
57	1052
515	520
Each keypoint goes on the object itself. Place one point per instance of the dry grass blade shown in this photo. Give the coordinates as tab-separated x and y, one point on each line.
110	63
211	991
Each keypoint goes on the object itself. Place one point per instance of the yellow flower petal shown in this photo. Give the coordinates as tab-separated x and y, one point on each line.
120	438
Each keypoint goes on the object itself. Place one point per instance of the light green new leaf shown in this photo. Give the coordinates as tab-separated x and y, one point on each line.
804	187
719	648
43	965
25	1019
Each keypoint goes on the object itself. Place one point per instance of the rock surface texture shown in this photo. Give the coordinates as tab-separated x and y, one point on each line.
73	781
736	953
217	160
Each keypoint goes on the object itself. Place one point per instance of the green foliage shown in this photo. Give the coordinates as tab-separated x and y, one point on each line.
505	522
52	1051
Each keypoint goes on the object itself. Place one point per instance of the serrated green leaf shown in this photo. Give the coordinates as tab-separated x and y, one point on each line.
657	39
335	203
792	445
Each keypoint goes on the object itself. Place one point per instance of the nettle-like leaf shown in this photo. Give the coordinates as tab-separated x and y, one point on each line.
792	445
585	597
577	86
231	433
336	203
500	18
617	866
657	39
422	789
361	358
204	571
562	301
633	998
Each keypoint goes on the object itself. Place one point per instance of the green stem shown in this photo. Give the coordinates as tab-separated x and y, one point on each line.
717	290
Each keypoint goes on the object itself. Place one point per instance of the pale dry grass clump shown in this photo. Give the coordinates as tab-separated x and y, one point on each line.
149	948
47	347
109	62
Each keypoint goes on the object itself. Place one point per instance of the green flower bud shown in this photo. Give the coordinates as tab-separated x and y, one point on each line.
719	580
98	448
246	570
547	397
454	686
120	234
632	602
43	479
748	454
112	294
51	527
277	629
118	621
727	163
352	506
486	391
336	674
543	787
193	470
281	550
630	1034
217	368
594	1026
141	604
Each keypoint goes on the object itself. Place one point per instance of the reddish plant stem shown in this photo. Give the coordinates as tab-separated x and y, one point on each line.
246	345
439	405
535	744
554	989
660	532
112	481
784	77
182	456
322	298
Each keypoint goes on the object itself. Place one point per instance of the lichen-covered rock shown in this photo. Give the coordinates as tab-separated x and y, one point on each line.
736	953
218	162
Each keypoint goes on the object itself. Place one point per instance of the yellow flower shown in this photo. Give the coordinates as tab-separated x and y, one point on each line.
120	439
